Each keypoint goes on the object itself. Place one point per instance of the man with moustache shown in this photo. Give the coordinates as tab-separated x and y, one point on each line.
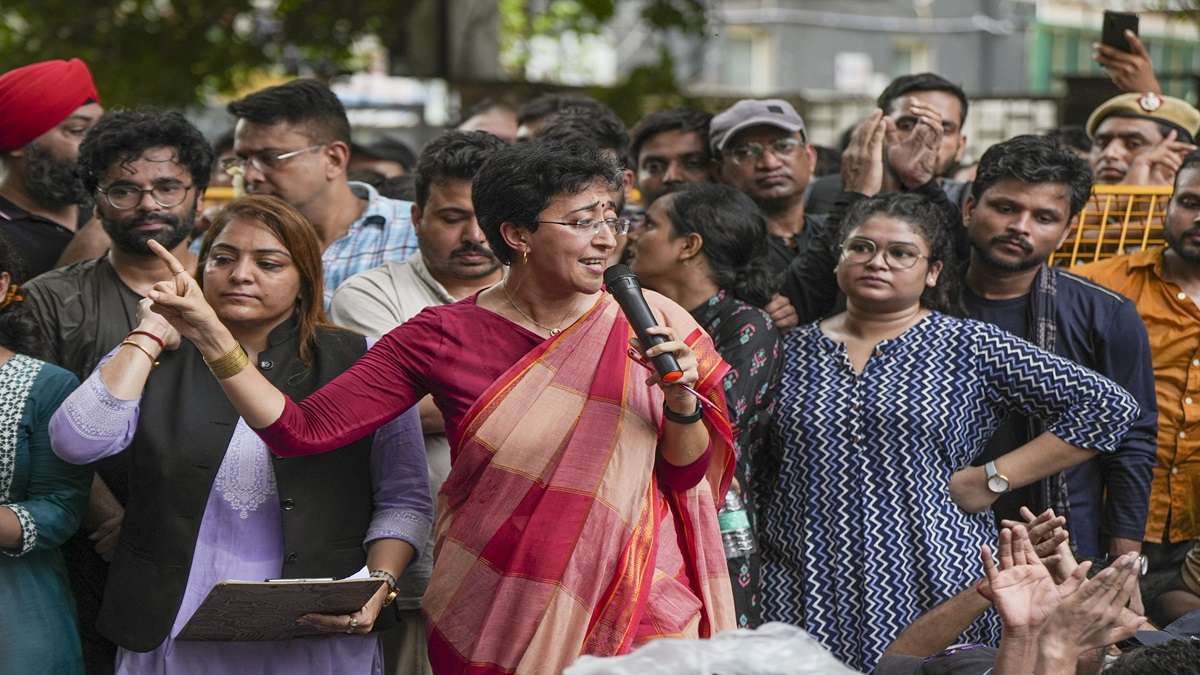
148	171
454	262
1026	195
46	109
759	148
1141	138
1165	285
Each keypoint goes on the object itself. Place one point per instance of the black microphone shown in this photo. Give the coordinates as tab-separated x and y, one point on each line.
624	286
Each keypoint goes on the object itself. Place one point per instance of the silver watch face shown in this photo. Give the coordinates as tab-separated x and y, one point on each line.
998	484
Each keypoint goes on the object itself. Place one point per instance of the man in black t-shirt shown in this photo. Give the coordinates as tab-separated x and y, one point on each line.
45	110
1026	195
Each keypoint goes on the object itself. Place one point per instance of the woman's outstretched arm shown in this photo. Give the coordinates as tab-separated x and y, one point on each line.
377	388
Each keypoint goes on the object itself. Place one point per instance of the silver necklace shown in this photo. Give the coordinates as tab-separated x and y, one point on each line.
530	319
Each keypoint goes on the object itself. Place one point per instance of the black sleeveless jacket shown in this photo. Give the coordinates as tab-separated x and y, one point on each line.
184	428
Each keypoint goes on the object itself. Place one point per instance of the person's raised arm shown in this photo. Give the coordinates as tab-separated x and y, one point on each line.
373	391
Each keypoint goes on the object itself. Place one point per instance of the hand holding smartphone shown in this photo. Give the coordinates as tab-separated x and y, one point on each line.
1115	25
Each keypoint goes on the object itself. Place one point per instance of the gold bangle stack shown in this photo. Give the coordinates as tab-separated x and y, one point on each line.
229	364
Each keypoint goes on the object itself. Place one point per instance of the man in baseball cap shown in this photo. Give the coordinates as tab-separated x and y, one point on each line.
46	109
1141	138
760	148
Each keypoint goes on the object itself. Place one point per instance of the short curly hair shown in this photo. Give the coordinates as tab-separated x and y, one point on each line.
518	182
122	136
932	225
1034	159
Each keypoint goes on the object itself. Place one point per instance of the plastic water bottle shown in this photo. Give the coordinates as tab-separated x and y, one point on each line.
735	527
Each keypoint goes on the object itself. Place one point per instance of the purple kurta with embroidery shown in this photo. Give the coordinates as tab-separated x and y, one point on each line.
241	534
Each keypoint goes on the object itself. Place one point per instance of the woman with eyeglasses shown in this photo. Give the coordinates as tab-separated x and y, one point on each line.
871	512
579	516
207	503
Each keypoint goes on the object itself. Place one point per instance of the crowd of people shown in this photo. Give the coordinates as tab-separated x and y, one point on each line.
951	454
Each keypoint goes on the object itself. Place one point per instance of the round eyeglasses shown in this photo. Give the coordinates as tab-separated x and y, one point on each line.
591	226
166	195
900	256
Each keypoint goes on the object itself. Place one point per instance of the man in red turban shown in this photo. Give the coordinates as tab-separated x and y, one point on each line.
45	110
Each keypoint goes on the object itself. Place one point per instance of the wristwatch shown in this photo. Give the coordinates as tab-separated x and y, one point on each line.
996	481
390	579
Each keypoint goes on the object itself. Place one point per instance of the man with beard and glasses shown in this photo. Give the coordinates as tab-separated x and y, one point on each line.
1026	195
1165	285
454	262
148	171
45	110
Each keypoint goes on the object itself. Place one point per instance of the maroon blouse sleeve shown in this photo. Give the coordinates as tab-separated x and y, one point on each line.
389	379
683	478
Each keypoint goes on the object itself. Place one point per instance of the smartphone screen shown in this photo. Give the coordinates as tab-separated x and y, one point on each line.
1115	25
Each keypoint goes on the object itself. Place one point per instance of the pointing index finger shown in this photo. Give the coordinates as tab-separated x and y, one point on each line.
163	254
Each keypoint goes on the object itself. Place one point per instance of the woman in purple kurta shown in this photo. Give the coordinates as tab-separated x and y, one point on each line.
208	503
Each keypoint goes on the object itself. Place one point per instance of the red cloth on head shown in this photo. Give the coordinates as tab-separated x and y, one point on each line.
36	98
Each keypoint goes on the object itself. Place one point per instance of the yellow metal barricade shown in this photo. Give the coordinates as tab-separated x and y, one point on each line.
1118	219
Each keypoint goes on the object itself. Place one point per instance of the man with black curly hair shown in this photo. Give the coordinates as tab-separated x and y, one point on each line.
148	170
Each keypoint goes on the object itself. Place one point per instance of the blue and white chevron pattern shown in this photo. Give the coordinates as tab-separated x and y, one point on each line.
859	536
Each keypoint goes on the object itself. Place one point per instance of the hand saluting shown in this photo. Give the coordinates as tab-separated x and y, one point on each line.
181	301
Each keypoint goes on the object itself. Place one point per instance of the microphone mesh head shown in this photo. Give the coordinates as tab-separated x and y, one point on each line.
616	272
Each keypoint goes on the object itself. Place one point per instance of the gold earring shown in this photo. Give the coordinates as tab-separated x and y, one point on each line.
524	256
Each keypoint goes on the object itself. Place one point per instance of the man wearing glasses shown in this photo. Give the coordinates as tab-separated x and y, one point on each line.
147	171
293	141
759	148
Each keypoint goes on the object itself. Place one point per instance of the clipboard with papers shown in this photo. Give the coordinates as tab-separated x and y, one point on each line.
267	610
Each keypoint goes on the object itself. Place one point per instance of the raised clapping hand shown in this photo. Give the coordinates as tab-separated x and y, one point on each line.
1021	588
914	157
1050	539
181	302
862	162
1091	615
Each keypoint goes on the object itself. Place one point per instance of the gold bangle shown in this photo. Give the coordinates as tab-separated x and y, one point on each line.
229	364
131	343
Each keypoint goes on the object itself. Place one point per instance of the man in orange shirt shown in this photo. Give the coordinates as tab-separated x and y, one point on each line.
1165	285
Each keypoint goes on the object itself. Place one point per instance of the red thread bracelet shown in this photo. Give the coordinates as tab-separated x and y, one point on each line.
161	344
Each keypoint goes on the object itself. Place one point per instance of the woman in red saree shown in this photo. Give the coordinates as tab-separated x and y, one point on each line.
580	513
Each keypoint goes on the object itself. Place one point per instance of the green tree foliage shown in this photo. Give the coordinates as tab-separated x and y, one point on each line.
648	86
175	52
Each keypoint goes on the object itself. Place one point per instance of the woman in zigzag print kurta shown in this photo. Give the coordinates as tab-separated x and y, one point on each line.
881	410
